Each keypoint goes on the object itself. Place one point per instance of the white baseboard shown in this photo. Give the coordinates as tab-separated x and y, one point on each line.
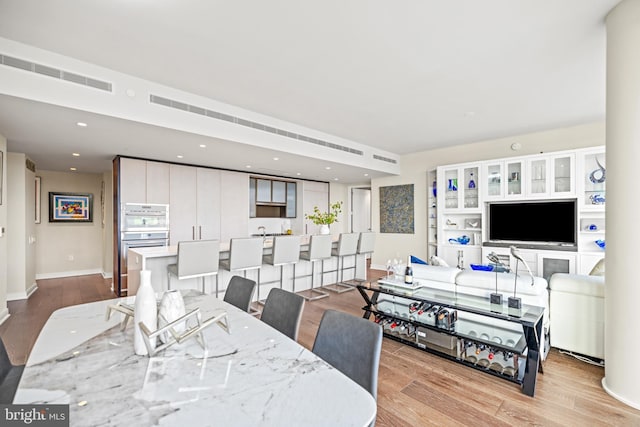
378	267
106	275
4	315
68	273
32	289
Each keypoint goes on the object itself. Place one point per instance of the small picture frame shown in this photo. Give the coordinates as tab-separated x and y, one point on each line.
70	207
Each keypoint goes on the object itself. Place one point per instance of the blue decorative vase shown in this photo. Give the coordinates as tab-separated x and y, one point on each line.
434	188
472	183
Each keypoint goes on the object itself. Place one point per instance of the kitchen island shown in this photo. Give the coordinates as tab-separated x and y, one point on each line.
156	260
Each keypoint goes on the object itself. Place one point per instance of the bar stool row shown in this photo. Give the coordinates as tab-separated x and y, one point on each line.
201	258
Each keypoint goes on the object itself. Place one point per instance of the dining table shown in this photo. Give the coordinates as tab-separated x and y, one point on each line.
248	375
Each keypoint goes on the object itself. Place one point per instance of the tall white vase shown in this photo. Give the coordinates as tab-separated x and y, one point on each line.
146	311
324	229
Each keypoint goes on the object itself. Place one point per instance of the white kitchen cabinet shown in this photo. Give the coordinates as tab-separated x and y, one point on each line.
195	203
183	203
503	179
143	181
234	205
157	183
459	187
263	194
208	204
279	191
133	180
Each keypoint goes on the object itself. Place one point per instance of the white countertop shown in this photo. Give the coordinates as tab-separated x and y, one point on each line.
253	376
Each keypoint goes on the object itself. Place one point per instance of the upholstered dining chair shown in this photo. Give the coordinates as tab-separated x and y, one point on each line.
283	310
240	292
352	345
9	376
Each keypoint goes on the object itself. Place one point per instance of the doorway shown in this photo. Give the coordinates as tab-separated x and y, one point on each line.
360	209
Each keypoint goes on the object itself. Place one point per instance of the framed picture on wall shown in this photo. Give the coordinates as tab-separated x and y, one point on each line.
70	207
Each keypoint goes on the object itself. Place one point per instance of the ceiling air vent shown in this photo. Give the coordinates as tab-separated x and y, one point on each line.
56	73
154	99
385	159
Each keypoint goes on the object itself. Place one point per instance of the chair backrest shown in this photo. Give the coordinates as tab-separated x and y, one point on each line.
352	345
286	249
366	242
320	246
198	257
245	253
240	292
347	244
283	310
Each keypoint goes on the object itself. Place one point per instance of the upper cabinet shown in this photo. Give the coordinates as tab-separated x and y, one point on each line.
503	179
270	198
143	181
532	177
460	185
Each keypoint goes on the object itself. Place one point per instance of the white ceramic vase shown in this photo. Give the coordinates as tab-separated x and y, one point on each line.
324	229
171	308
146	311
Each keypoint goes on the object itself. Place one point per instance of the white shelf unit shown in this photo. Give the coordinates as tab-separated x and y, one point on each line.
432	213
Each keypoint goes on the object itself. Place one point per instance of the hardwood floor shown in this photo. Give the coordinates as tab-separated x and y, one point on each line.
414	389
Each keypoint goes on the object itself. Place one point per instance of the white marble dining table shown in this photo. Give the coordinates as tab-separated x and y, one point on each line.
252	376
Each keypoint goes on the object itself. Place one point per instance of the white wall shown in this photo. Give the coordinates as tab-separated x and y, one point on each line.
415	167
20	187
4	312
58	242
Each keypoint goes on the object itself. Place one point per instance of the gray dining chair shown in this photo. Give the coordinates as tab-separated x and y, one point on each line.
352	345
197	258
283	310
240	292
9	376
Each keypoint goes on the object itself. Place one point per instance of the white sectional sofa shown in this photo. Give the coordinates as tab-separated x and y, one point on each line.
577	313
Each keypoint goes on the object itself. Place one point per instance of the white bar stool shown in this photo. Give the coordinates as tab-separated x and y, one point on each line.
347	246
366	246
285	251
319	250
197	258
244	254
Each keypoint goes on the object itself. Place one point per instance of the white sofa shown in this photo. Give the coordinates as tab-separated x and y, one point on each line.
577	313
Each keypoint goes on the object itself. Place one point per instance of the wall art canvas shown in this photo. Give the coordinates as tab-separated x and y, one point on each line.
70	207
396	209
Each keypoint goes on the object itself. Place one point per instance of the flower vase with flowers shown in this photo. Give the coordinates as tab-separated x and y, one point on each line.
325	219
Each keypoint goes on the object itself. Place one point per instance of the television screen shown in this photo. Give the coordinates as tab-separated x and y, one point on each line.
540	222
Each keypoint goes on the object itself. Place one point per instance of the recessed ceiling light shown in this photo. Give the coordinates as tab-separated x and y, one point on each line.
203	146
298	173
180	156
366	174
335	179
75	154
470	114
276	158
248	166
328	168
82	124
73	169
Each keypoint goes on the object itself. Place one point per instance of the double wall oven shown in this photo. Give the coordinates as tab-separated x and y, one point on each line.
141	225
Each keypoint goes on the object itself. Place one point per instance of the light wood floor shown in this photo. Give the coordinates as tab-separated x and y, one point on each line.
414	388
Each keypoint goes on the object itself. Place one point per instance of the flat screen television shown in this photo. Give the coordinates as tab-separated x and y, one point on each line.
549	222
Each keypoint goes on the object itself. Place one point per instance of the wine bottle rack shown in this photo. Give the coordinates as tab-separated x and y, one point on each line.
462	329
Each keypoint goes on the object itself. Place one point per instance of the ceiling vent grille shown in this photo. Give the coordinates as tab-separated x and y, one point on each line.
385	159
56	73
154	99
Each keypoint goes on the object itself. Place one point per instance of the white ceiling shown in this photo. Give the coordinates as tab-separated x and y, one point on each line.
399	76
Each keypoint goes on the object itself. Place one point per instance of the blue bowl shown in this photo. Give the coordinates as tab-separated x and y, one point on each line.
481	267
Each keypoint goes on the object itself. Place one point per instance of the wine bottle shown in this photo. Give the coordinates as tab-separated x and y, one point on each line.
408	272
